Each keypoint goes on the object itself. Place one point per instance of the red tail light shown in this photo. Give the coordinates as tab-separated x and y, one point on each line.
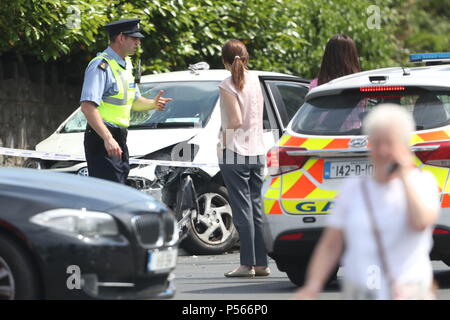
381	88
440	231
439	157
281	160
291	236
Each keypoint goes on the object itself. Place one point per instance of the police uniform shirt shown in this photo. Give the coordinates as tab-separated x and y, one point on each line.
99	82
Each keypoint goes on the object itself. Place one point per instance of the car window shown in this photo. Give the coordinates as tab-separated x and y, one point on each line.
269	120
76	123
288	97
343	114
192	106
267	125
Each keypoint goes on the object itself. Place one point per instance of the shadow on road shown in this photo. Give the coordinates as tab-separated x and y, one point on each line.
253	286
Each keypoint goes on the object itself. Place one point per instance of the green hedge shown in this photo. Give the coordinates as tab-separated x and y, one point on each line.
286	36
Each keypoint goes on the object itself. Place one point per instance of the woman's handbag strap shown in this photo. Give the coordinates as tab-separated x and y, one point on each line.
377	235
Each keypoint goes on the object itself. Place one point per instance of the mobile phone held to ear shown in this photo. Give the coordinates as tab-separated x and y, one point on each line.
392	167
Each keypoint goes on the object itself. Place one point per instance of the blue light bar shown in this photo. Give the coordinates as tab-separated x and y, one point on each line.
425	57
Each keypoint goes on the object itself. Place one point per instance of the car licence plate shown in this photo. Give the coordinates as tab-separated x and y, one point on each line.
347	169
162	259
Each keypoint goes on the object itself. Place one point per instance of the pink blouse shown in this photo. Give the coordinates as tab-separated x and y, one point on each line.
313	83
248	139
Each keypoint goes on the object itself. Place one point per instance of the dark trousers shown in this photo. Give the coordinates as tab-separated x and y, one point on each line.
244	182
102	166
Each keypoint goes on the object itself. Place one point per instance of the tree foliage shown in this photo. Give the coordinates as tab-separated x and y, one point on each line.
424	25
282	35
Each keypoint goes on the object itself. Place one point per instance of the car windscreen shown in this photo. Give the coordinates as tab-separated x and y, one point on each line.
343	114
192	106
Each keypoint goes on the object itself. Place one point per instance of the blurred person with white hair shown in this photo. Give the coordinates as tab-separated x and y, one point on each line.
381	226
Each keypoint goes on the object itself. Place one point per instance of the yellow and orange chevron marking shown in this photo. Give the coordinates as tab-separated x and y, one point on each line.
314	143
431	136
441	174
315	169
342	143
275	183
445	200
270	204
272	207
296	185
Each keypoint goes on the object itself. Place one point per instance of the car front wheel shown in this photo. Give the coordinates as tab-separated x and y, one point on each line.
18	280
212	231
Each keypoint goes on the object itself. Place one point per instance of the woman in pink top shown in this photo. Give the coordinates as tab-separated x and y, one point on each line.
241	157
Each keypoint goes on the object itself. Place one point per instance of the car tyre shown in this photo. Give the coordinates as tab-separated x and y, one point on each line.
211	197
18	280
297	275
32	164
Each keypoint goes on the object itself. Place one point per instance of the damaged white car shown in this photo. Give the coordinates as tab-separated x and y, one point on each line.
191	122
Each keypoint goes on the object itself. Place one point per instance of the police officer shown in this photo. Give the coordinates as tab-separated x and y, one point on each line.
109	94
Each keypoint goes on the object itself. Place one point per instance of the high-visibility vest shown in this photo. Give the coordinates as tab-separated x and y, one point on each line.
116	108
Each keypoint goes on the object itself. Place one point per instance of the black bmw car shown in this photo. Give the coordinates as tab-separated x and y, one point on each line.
70	237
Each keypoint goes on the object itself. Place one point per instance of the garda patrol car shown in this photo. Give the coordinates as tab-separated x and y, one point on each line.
323	144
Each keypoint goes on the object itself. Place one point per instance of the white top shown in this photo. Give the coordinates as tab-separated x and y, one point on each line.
407	250
248	140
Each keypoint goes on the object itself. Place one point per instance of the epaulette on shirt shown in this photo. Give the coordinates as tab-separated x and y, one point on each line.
103	65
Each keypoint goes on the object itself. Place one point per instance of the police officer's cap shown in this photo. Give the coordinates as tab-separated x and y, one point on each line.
129	27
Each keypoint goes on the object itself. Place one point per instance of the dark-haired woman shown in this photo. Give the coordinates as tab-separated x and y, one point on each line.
241	158
339	59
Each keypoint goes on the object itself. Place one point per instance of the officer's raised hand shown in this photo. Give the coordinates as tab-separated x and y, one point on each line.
160	102
144	104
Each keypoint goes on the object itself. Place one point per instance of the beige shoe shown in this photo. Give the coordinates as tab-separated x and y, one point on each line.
241	272
262	271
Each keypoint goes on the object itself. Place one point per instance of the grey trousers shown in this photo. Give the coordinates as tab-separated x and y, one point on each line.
244	182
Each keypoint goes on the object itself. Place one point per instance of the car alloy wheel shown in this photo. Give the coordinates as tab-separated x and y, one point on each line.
83	172
7	284
215	220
